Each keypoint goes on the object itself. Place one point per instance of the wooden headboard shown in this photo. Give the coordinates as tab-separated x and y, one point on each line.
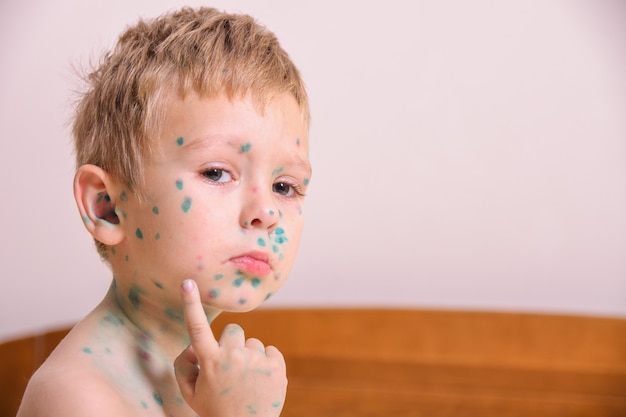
388	362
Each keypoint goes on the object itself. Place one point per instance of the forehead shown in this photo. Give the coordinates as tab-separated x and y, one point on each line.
196	121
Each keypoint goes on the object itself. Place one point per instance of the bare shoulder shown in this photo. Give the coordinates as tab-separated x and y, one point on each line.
74	382
53	391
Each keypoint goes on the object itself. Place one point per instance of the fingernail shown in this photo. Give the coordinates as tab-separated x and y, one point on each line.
187	285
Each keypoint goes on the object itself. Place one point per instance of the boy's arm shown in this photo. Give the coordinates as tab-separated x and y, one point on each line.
230	378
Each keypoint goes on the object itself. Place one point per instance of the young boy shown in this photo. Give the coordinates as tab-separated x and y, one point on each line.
192	154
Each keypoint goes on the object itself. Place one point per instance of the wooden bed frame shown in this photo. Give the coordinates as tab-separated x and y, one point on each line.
391	362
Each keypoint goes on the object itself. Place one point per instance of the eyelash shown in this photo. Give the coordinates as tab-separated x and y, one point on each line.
297	189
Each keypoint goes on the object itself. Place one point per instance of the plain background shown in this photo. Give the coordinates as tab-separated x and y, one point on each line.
467	154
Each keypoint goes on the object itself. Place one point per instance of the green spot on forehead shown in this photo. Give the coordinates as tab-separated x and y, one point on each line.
277	171
245	147
180	141
186	205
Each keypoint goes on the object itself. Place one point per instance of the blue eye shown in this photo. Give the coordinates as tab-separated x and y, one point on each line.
285	189
217	175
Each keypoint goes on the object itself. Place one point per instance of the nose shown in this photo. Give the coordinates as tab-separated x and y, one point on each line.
259	210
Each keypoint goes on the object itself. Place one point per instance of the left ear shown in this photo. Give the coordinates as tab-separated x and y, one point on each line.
93	188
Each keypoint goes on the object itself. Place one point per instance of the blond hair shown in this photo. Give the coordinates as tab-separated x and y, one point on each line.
201	51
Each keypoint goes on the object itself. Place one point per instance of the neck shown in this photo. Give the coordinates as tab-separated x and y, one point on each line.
158	327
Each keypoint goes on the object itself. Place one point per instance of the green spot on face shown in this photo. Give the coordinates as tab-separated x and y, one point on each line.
138	233
237	282
267	297
255	282
306	181
277	171
113	250
214	293
279	231
246	147
123	196
179	184
157	398
144	405
87	350
261	242
251	410
180	141
155	210
217	277
157	236
280	239
275	248
85	219
298	141
242	301
186	204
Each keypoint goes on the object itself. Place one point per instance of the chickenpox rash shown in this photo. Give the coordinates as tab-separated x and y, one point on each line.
245	147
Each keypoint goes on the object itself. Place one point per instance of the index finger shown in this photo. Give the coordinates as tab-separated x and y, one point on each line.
200	334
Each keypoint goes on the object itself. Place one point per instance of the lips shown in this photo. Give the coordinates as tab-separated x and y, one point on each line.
256	263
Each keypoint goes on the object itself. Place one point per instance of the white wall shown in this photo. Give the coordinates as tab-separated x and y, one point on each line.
467	155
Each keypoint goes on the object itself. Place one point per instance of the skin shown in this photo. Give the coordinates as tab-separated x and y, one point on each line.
217	230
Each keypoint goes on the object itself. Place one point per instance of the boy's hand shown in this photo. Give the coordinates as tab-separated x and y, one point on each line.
230	378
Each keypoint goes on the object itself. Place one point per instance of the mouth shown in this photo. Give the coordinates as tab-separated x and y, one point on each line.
256	263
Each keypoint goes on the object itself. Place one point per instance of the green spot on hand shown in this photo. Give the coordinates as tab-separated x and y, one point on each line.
245	148
186	204
138	233
180	141
261	242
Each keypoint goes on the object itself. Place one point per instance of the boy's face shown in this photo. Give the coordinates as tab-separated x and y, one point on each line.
223	203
